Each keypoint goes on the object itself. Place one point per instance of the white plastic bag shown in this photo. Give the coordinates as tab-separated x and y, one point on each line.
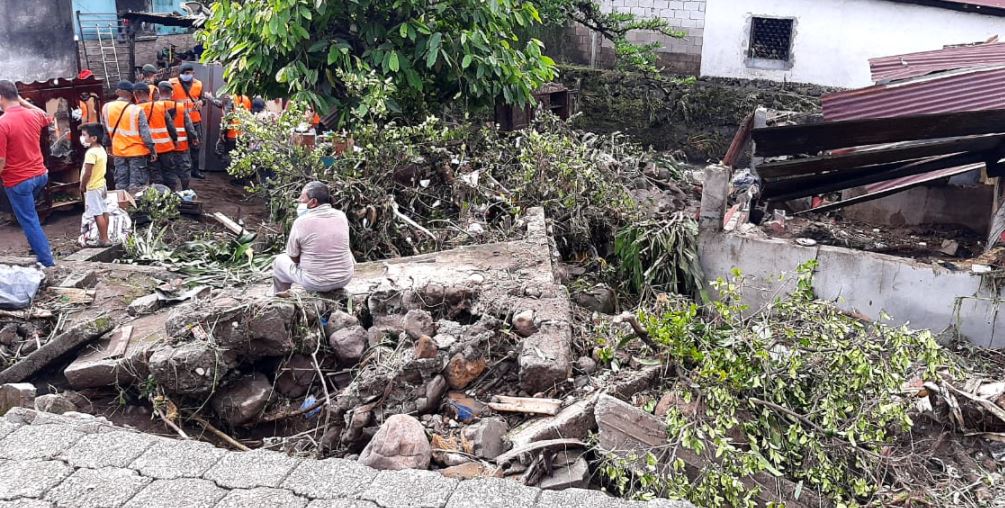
18	285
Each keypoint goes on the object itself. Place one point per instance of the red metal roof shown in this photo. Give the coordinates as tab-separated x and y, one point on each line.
980	3
963	90
899	67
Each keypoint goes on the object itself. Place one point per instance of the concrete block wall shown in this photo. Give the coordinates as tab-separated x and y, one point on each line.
676	55
919	295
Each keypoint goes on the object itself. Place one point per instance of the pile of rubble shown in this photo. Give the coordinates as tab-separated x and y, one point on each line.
460	361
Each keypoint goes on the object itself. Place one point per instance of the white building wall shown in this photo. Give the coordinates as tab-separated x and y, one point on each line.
833	40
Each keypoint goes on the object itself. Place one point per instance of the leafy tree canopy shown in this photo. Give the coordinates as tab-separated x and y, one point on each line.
364	57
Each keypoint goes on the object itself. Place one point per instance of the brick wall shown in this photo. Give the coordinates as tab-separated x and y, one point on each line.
676	55
146	51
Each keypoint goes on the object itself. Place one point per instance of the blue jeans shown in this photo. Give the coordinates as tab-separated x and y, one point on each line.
22	200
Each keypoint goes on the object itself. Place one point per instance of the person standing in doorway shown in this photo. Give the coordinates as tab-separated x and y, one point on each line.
22	168
188	91
132	144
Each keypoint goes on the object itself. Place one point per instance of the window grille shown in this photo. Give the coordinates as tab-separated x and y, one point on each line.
771	38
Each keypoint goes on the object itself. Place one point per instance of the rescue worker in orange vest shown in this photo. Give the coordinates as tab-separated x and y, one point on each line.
181	161
161	130
88	107
132	144
150	78
188	91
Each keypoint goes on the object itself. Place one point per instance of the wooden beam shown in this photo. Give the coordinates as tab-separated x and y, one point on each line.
915	168
505	404
787	185
852	160
875	195
740	139
811	139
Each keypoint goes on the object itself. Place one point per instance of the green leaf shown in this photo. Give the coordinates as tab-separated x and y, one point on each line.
403	30
393	61
466	62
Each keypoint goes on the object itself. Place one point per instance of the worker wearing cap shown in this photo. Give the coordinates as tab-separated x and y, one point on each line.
188	91
162	132
150	78
179	165
132	144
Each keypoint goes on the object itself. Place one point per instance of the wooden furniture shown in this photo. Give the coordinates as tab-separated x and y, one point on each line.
61	149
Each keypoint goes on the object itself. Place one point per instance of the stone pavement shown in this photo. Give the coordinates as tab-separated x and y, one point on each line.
78	460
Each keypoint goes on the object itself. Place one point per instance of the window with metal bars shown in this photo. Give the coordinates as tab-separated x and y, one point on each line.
771	38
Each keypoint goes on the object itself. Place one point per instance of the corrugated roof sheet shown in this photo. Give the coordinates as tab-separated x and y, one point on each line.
964	90
899	67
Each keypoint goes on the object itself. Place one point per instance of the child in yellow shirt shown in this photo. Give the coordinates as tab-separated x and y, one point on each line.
92	179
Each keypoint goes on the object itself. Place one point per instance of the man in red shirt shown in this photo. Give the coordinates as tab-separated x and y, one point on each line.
22	168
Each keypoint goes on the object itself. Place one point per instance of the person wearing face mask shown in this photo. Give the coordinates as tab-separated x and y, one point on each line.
92	179
22	167
132	145
188	91
317	255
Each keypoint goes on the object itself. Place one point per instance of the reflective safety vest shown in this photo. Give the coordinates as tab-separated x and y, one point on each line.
123	119
188	98
157	117
181	145
87	115
243	102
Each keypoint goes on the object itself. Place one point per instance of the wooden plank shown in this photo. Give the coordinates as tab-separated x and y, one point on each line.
740	140
787	185
811	139
232	226
850	161
531	405
906	170
876	195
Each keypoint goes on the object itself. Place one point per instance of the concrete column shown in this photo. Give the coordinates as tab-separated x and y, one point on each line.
713	198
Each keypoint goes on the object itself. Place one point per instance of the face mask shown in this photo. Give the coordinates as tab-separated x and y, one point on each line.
301	209
84	141
187	77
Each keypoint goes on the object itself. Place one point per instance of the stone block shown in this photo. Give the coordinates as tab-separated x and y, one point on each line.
411	488
261	497
97	488
144	305
120	359
54	403
487	437
30	478
187	492
252	330
16	395
314	479
37	442
260	468
191	368
546	357
573	422
107	449
80	279
400	443
491	492
168	459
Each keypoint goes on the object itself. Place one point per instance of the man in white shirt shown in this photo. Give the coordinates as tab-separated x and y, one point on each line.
318	256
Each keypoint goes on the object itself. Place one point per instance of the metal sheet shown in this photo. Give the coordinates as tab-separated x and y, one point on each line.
966	90
911	65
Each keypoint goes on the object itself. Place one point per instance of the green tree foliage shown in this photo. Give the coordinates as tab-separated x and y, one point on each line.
428	52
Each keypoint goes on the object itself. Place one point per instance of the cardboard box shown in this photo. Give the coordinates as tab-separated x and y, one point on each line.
123	198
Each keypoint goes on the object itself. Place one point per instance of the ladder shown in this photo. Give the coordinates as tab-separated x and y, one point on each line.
108	53
99	35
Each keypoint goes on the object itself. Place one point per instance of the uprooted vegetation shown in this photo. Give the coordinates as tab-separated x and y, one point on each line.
844	411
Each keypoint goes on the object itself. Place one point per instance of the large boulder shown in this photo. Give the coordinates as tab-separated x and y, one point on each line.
339	320
349	345
400	443
190	369
419	323
242	400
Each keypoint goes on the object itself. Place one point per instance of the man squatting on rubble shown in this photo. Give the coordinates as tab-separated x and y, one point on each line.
22	168
129	132
317	255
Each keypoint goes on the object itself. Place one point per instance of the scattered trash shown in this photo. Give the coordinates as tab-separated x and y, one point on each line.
19	285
